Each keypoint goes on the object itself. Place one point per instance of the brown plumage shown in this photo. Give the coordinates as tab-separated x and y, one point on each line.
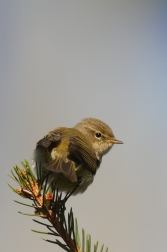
74	154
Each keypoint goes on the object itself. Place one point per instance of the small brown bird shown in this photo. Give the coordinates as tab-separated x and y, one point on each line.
73	155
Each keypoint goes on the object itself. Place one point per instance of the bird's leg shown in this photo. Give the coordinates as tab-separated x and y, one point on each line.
70	193
80	181
59	205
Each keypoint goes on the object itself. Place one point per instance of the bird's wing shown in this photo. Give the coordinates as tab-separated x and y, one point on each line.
84	152
51	138
60	164
64	166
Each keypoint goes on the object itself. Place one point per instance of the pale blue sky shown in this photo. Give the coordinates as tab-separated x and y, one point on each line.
62	61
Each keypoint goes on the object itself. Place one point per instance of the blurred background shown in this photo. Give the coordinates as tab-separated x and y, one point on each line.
62	61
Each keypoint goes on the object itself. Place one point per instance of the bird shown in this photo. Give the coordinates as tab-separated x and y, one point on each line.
71	156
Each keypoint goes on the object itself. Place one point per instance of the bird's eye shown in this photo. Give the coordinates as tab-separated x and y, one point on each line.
98	134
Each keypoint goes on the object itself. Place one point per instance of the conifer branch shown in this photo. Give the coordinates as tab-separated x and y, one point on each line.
49	204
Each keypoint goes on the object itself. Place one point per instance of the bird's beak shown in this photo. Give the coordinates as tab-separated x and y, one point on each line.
115	141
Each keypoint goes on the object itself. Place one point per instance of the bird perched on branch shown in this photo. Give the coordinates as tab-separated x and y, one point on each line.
73	155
